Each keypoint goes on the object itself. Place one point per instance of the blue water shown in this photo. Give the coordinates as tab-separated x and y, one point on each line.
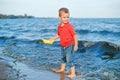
87	29
99	43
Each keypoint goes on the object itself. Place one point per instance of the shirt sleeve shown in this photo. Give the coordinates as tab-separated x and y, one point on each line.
72	30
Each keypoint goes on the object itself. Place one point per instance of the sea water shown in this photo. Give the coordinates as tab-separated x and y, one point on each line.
98	56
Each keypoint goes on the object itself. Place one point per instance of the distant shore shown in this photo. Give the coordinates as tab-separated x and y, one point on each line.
12	16
4	16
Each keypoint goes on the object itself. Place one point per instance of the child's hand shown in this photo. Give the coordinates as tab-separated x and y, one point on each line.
47	41
75	48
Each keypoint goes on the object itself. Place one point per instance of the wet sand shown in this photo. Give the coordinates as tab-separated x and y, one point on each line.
24	72
39	74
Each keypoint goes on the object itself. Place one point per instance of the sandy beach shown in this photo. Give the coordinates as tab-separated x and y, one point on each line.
21	71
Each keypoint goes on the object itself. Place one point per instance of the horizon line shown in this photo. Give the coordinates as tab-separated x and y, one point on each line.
54	17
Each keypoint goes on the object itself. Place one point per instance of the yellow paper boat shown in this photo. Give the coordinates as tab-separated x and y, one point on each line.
47	41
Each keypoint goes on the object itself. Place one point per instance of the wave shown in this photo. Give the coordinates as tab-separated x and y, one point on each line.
84	43
48	30
7	37
102	47
87	44
82	31
100	32
90	43
102	43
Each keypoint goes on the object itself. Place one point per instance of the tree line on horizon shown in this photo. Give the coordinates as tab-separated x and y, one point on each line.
4	16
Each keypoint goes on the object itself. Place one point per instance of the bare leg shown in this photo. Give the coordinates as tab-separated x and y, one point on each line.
62	68
62	77
72	75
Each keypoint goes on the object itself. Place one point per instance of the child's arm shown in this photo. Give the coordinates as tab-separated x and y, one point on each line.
76	43
55	37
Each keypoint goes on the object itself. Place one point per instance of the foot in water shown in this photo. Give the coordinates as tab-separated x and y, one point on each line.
71	76
59	71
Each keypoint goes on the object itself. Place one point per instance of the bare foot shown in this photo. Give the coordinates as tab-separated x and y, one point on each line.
71	76
59	71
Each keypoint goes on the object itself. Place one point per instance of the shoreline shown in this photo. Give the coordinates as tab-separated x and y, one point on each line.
10	69
20	71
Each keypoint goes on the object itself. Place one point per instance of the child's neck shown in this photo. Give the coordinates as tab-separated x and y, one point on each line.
62	24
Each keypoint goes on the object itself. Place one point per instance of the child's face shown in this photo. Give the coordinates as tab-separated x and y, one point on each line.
64	17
